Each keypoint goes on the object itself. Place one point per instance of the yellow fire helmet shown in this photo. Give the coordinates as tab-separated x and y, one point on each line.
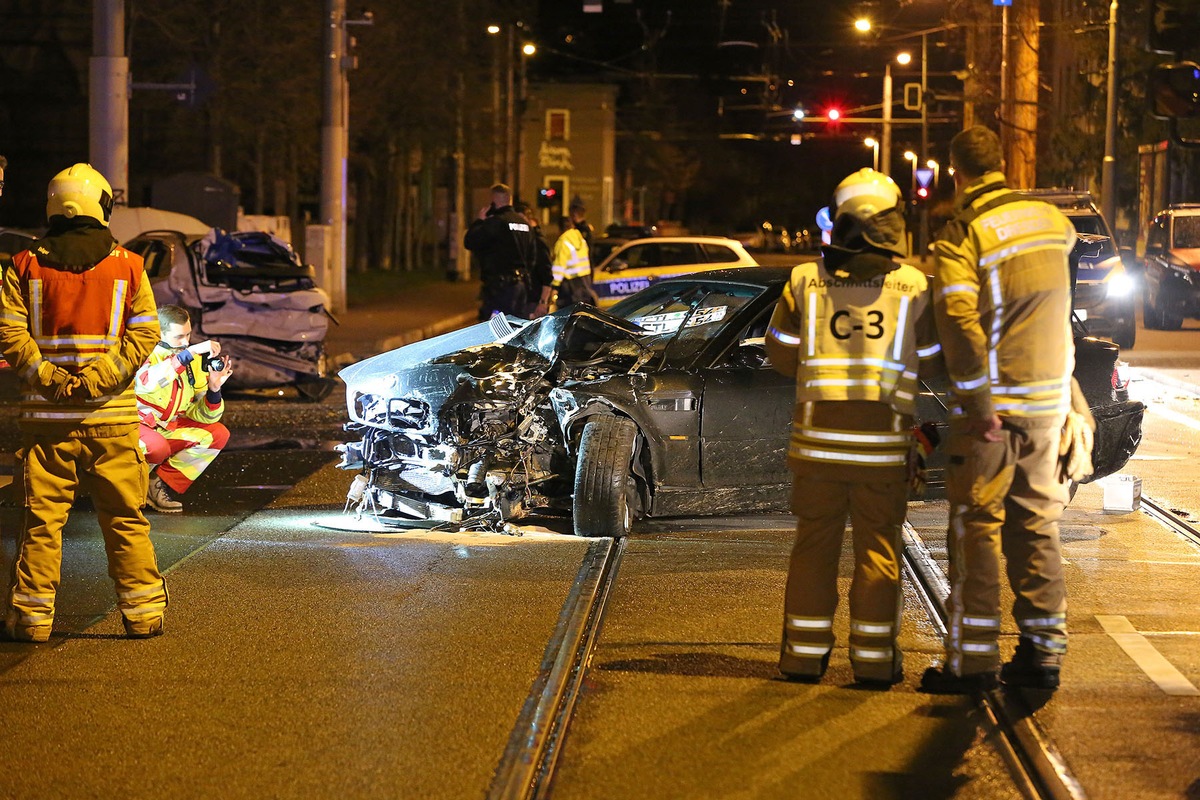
79	191
864	194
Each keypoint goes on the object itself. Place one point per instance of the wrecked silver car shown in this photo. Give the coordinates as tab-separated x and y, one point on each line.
663	406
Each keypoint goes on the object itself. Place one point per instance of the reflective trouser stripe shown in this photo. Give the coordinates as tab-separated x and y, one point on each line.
48	472
872	654
876	511
189	449
978	490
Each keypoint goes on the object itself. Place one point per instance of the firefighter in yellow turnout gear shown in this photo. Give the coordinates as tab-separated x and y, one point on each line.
854	329
1002	299
76	321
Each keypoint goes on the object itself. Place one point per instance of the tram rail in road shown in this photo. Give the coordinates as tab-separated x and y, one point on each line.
526	770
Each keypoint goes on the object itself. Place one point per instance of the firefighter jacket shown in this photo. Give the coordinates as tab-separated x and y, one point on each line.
77	304
1002	298
570	258
855	337
172	384
505	244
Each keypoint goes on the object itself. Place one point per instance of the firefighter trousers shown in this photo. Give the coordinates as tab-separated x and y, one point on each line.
1005	497
112	470
876	511
181	455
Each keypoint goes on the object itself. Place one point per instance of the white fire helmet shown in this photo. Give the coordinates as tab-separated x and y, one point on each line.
79	191
864	194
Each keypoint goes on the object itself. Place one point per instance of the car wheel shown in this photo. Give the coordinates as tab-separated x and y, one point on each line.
1126	334
605	496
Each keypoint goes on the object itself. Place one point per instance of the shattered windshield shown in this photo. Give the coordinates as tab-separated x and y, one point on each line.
680	318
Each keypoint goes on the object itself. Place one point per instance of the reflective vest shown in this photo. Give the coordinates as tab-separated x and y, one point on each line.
849	340
166	389
1002	293
102	317
570	258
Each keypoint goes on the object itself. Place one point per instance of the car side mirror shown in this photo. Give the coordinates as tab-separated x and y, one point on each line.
749	354
616	265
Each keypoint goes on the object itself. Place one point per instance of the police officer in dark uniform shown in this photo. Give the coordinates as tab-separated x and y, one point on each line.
542	275
507	252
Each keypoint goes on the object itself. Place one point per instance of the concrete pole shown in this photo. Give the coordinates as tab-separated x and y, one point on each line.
923	245
333	155
462	258
510	136
108	97
885	148
1108	173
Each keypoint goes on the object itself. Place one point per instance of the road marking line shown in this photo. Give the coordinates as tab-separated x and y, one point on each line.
1151	662
1174	416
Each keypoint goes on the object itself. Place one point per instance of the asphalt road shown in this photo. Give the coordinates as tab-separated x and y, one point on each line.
310	655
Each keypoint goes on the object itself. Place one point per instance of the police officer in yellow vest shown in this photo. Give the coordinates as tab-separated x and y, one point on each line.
572	268
854	328
77	319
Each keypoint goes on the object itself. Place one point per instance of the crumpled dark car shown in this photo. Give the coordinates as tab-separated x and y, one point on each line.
663	406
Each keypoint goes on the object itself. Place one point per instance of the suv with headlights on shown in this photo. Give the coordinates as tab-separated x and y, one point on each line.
1104	290
1171	268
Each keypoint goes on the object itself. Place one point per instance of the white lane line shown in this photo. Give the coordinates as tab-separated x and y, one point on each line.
1152	662
1175	416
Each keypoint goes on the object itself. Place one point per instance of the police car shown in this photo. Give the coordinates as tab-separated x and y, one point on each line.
639	263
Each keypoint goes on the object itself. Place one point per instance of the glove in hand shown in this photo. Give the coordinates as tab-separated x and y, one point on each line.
1075	447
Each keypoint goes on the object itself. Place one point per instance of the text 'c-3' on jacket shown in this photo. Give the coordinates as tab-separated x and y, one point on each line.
857	335
1002	290
169	386
97	323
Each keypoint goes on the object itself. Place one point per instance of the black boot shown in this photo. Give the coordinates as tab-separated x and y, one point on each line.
1032	668
940	680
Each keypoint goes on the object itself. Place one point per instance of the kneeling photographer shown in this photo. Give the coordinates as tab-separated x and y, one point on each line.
180	406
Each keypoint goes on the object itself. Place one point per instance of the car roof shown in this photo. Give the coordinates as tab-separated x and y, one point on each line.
1065	199
1187	209
690	239
752	276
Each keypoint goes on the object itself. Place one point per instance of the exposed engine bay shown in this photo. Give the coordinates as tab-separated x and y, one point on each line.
471	437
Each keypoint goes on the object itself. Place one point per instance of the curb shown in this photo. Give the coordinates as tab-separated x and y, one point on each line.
409	336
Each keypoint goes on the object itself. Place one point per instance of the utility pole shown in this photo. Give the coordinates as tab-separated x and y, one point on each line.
462	261
108	78
885	148
1021	122
333	149
1108	172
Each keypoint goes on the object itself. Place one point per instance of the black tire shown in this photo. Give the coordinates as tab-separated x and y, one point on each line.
1126	334
1155	318
605	492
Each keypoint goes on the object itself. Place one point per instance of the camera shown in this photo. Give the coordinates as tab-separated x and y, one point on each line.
212	363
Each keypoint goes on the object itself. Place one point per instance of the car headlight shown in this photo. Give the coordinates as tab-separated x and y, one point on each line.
1120	286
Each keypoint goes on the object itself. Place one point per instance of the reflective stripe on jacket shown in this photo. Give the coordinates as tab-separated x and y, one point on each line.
167	389
570	258
1002	295
855	348
98	323
853	340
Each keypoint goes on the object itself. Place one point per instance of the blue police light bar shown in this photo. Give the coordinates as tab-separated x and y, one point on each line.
1002	2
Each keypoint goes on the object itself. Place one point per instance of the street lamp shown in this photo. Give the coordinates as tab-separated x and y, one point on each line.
874	145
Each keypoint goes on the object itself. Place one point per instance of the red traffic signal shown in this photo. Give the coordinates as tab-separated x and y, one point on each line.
833	114
922	193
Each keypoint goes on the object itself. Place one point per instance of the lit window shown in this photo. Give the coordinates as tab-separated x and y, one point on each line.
558	124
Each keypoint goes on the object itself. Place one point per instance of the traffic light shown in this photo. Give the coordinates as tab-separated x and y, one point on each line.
1175	90
1174	26
833	113
547	197
923	178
